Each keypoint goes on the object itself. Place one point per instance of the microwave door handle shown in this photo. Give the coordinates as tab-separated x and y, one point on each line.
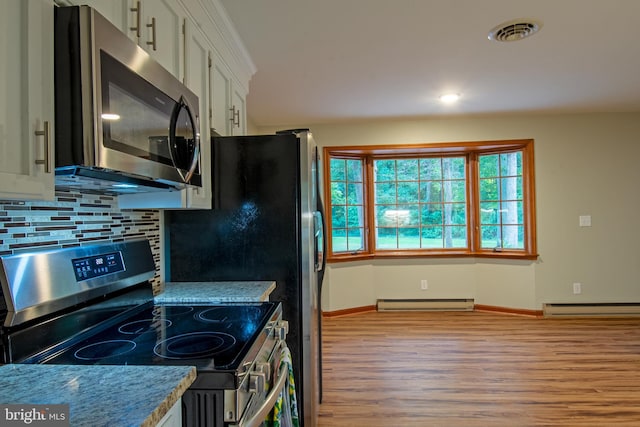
172	135
173	160
194	161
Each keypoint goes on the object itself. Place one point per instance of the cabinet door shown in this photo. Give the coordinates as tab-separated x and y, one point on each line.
197	79
26	100
220	98
173	417
157	26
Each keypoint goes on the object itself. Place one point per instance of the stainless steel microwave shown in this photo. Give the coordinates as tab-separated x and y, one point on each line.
123	123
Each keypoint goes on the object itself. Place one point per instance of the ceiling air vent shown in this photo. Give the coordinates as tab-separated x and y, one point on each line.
515	30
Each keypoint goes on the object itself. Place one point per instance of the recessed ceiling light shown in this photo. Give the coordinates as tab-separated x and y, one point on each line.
514	30
450	98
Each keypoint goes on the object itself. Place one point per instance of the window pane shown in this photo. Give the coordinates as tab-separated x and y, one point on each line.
410	215
489	189
354	194
387	238
454	191
338	217
455	237
354	171
355	240
432	238
409	238
454	167
338	193
511	164
511	213
431	214
490	236
458	214
338	167
488	166
407	192
407	169
431	191
355	216
489	213
511	188
394	216
430	169
513	237
386	193
385	170
339	239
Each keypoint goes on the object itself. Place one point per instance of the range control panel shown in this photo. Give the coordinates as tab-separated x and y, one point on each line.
97	265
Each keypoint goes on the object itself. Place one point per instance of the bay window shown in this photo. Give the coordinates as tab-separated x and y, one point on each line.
445	199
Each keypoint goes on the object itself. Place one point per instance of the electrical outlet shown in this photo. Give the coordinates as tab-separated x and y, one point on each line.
577	288
424	285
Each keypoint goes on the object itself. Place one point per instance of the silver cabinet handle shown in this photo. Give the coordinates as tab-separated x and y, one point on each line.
137	11
46	132
153	33
235	116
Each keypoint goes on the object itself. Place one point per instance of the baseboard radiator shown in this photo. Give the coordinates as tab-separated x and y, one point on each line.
592	310
425	304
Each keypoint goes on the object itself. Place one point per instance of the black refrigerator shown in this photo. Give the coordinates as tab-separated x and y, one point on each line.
265	224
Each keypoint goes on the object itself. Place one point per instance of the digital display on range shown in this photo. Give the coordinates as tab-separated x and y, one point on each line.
97	265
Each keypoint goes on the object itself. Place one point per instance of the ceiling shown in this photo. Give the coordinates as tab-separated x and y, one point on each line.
322	61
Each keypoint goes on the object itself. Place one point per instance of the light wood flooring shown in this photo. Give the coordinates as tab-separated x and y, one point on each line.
479	369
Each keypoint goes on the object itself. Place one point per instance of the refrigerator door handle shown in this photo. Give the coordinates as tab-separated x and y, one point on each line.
323	239
318	237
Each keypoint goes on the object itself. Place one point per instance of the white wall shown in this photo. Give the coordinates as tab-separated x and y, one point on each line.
586	164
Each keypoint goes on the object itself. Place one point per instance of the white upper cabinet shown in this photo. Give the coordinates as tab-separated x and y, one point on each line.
228	115
198	54
158	27
220	95
26	100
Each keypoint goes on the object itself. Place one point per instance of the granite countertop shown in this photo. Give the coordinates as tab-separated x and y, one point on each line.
99	395
214	292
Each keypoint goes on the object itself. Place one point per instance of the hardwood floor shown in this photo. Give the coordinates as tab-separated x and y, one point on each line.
479	369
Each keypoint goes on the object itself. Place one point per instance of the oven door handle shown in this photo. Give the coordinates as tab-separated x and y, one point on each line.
266	407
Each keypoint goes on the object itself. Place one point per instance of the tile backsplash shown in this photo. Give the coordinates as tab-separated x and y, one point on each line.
75	219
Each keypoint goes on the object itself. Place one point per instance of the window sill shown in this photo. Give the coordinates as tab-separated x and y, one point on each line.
440	254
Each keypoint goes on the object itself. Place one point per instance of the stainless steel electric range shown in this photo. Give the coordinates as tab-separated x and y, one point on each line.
94	305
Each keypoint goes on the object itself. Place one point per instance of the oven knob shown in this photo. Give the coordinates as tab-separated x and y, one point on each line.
265	368
257	382
281	330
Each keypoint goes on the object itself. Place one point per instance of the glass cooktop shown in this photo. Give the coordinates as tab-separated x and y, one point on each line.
211	337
